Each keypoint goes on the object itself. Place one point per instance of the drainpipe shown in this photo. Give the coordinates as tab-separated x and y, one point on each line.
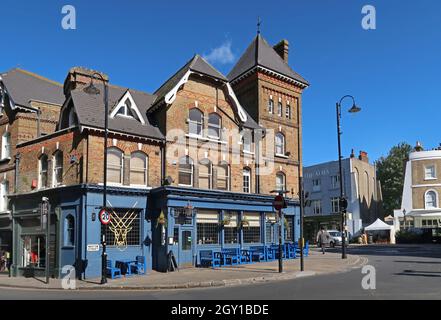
38	123
16	172
163	163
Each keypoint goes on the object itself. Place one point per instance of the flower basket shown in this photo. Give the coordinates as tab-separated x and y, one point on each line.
244	222
225	221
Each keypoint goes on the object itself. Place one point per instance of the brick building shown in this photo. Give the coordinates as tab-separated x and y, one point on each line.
191	166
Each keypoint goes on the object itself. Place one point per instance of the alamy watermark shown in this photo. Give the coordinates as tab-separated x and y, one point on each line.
369	281
369	20
68	282
69	20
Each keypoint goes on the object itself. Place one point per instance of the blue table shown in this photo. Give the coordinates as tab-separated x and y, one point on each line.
125	264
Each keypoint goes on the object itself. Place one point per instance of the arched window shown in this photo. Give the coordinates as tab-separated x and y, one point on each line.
195	122
205	174
114	165
42	170
279	109
186	170
214	126
6	145
223	176
69	230
280	181
288	111
57	175
247	180
4	190
431	199
280	144
271	105
138	168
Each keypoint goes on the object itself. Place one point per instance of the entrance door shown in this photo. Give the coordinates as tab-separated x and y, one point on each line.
185	247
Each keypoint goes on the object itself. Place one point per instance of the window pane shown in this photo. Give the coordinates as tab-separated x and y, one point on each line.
207	227
214	125
114	166
124	228
138	169
222	177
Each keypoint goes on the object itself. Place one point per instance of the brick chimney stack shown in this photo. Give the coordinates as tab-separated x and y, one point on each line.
79	77
363	156
282	49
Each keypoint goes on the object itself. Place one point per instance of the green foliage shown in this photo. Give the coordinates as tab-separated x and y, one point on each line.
390	172
407	236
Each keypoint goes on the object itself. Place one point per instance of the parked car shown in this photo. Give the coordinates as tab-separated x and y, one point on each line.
335	238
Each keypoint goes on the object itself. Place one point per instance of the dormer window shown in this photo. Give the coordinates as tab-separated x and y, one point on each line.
127	108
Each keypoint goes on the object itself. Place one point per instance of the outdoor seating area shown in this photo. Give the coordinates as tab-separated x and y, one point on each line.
126	267
236	256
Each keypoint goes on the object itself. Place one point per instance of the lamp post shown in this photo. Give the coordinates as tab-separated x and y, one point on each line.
92	90
342	199
404	219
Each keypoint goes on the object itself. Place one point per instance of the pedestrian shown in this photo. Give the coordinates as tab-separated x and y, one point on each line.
8	260
323	238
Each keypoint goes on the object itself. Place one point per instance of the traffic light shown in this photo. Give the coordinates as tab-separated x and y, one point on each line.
343	204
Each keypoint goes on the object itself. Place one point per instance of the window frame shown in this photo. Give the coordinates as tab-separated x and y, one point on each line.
435	199
282	144
280	108
271	105
196	123
217	127
4	191
42	173
227	166
206	163
6	145
433	172
246	172
335	203
145	170
288	113
283	175
57	166
121	166
191	171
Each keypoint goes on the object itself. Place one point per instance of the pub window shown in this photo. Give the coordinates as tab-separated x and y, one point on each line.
214	126
270	221
205	174
182	216
223	176
69	235
195	122
138	168
43	174
124	228
231	230
251	232
289	228
57	175
114	165
207	227
186	170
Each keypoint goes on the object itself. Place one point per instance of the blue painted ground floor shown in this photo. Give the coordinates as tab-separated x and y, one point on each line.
149	223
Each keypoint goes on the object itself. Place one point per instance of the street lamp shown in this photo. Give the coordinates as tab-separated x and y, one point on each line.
354	109
92	90
404	219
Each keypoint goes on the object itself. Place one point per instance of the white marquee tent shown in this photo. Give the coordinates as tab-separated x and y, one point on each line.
379	225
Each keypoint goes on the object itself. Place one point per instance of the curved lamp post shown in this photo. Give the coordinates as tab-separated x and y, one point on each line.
354	109
92	90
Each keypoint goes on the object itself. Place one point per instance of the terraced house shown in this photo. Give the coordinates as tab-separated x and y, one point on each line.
191	166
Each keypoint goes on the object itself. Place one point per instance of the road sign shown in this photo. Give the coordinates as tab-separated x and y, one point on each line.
279	202
104	216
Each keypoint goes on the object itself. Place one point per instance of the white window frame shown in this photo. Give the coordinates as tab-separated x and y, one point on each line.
185	171
335	203
436	205
280	108
316	185
317	207
201	124
6	145
209	175
247	147
432	172
121	174
227	176
217	127
335	181
283	175
271	105
122	104
246	173
55	166
4	191
288	111
276	145
40	171
145	169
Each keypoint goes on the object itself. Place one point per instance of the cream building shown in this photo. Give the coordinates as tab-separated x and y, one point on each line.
420	207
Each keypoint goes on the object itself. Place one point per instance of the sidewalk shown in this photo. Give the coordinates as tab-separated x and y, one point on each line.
315	264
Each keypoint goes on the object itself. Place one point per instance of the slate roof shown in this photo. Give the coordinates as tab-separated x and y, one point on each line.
24	86
89	110
260	53
196	64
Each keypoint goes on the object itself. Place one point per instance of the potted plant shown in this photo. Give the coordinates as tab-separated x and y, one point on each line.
244	222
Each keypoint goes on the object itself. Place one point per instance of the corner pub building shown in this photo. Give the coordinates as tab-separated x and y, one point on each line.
190	167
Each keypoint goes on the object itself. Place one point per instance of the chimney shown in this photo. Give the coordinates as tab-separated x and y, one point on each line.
419	147
363	156
352	153
79	77
282	49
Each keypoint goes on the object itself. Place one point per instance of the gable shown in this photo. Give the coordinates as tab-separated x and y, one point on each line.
127	108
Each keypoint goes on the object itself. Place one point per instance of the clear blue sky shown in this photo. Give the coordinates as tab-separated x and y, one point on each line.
394	71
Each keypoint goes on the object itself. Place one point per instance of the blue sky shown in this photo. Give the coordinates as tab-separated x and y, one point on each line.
394	71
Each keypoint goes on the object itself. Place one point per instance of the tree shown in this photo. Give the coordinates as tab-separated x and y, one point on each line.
390	172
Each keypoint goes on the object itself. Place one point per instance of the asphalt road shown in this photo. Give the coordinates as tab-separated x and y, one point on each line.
402	272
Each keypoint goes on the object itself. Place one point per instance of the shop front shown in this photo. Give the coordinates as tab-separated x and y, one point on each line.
198	220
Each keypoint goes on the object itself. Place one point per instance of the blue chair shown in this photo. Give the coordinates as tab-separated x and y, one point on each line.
258	254
112	271
291	250
230	256
140	266
245	257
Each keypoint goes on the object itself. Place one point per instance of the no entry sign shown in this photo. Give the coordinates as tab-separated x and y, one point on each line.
279	202
104	216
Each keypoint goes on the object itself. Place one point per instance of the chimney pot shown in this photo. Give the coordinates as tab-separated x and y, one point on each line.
80	77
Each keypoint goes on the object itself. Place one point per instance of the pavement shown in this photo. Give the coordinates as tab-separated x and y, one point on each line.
315	264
